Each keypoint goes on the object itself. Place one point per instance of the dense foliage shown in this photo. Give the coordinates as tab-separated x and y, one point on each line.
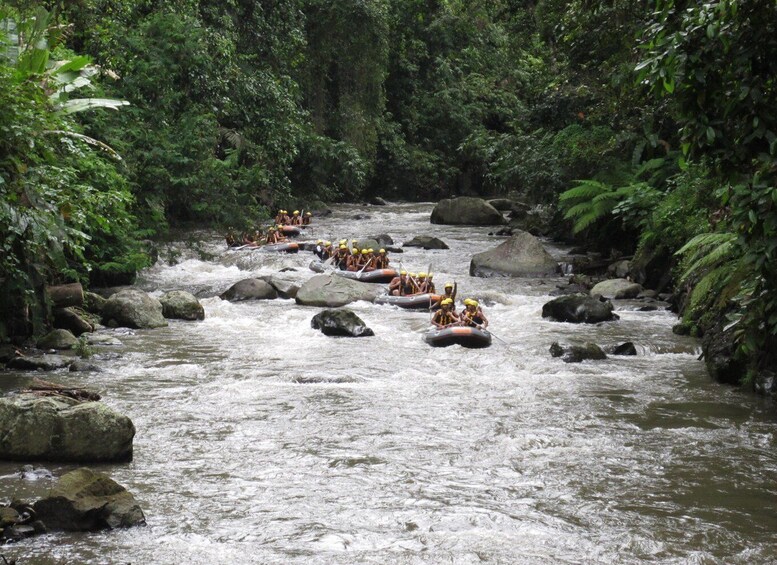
650	125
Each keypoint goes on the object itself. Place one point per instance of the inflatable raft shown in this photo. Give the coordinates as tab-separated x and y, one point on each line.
461	335
290	231
285	247
410	301
376	276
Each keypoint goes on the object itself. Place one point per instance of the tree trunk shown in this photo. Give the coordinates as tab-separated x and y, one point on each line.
66	295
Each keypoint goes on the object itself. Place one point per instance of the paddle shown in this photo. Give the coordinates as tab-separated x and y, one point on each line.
367	264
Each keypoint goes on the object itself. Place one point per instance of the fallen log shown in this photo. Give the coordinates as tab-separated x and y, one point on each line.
40	387
65	295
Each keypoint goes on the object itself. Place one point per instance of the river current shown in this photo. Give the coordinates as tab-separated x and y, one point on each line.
260	440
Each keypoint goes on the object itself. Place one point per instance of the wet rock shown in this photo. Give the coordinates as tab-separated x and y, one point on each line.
392	249
383	239
520	256
427	242
501	204
341	322
85	500
578	308
652	294
57	339
586	281
617	289
332	291
102	340
19	532
377	201
80	366
368	243
626	348
181	305
720	355
63	429
94	303
508	231
250	289
286	288
619	269
647	308
8	352
359	217
577	353
569	289
8	516
466	210
69	319
42	363
765	383
133	308
682	328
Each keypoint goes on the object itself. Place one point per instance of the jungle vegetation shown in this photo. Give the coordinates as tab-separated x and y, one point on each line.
644	126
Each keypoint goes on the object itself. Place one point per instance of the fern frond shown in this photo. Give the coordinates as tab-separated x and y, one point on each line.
716	278
705	239
710	258
587	189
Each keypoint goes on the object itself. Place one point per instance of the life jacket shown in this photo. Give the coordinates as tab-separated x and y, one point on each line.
445	318
406	287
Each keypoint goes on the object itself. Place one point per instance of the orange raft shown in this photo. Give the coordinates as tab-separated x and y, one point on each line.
458	335
410	301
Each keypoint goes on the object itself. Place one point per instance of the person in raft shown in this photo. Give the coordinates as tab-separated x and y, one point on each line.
306	219
399	285
341	257
273	236
450	290
279	217
472	315
445	316
296	219
381	260
422	285
430	284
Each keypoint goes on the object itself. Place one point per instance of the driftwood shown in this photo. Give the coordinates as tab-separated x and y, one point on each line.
40	387
65	295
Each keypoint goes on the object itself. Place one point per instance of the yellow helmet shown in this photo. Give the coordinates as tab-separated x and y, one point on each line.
296	212
271	229
343	241
402	272
370	250
354	251
421	275
319	242
327	243
308	214
448	285
364	251
343	247
447	301
382	251
412	275
467	301
473	303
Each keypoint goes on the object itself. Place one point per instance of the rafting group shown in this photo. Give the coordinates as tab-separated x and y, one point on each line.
275	237
350	257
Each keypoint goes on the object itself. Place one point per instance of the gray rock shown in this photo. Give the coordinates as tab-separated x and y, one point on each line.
577	353
8	516
133	308
620	269
719	346
520	256
85	500
286	288
181	305
368	243
427	242
501	204
42	363
8	352
626	348
569	289
250	289
648	294
332	291
383	239
94	303
577	309
57	339
466	210
102	340
393	249
617	289
340	323
62	429
69	319
377	201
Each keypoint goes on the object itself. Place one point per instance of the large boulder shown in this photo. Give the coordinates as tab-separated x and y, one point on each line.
250	289
71	319
427	242
133	308
93	303
368	243
340	323
332	291
383	239
577	353
85	500
617	289
63	429
721	357
181	305
58	339
520	256
466	210
286	288
578	308
501	204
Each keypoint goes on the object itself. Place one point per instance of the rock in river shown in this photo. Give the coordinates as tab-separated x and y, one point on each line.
578	308
85	500
181	305
58	339
133	308
332	291
617	289
427	242
340	322
520	256
63	429
250	289
466	211
577	353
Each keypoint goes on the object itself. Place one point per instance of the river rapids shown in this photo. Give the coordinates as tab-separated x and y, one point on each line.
260	440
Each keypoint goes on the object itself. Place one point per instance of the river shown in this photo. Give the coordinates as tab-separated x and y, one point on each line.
260	440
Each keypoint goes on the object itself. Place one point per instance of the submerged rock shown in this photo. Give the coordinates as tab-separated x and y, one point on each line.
250	289
85	500
42	363
577	353
332	291
626	348
342	322
427	242
578	309
63	429
133	308
523	255
181	305
466	210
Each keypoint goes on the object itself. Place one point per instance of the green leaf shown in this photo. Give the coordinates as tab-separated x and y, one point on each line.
710	134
